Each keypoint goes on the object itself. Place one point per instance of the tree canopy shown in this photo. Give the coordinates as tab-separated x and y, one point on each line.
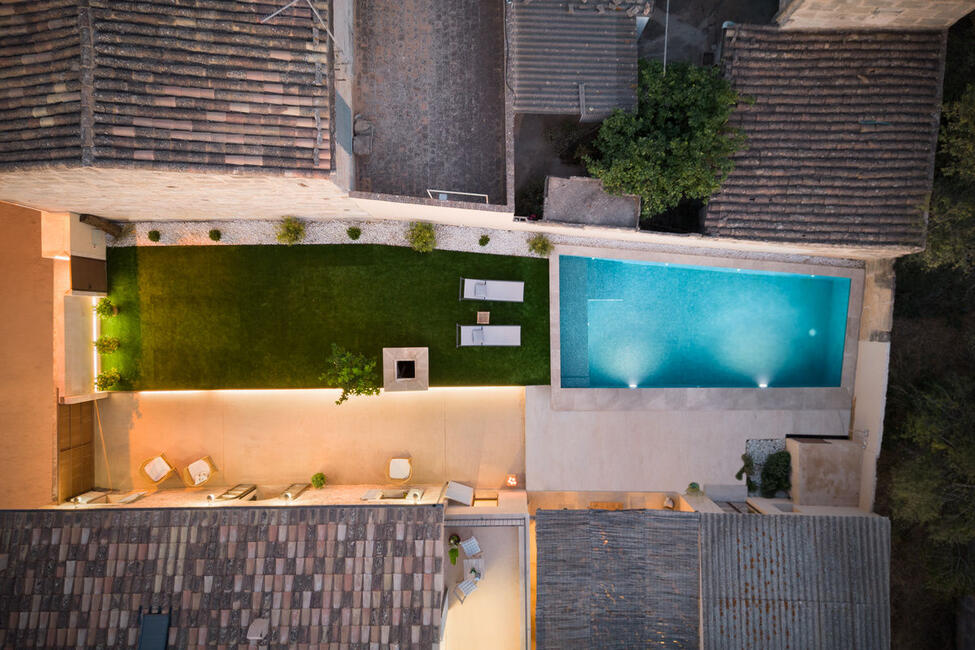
677	144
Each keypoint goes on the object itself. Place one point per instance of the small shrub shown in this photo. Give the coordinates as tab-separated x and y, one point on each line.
422	237
107	379
453	541
747	470
105	308
484	240
354	233
354	373
106	344
215	235
154	235
776	474
318	481
291	230
540	245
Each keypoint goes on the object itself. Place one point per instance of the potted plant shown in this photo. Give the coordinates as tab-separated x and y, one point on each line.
105	308
318	481
106	344
454	543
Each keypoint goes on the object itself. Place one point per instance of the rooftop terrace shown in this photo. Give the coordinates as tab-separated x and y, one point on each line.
429	78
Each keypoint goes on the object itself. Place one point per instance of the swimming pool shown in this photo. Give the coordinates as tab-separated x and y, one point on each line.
632	324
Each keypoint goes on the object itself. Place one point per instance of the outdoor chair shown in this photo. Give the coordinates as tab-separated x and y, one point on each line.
471	547
157	469
199	472
399	470
488	335
495	290
464	589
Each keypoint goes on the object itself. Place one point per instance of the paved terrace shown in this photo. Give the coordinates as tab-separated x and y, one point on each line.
429	77
277	437
332	575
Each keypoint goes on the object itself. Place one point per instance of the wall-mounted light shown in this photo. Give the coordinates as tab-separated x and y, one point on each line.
511	481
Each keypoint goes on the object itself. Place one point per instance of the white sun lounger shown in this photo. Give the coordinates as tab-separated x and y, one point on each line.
497	290
493	335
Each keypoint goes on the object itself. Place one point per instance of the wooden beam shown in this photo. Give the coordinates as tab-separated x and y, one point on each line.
105	225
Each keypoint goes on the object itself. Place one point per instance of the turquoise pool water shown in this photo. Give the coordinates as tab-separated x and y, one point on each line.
644	324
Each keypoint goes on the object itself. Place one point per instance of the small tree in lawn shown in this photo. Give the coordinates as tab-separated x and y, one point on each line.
354	373
676	145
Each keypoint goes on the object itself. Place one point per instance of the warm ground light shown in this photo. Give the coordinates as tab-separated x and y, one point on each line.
205	317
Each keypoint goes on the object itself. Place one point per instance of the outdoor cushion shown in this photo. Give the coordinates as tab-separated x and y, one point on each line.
478	336
399	468
199	471
157	468
480	289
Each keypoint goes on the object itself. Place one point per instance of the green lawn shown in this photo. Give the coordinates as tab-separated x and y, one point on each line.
206	317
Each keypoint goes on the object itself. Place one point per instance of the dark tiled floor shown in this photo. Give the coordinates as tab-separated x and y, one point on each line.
429	76
333	577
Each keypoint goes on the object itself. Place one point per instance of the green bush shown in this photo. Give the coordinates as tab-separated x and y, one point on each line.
318	481
291	230
354	373
422	237
677	145
484	240
540	245
105	308
354	233
154	235
106	344
215	235
747	470
776	474
107	379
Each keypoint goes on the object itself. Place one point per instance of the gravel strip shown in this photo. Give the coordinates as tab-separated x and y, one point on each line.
393	233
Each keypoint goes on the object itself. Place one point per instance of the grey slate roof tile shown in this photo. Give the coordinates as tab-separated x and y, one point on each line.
556	45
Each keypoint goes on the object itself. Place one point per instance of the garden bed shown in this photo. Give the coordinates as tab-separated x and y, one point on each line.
211	317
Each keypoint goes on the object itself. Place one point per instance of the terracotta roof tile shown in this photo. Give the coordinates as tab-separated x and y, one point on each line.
841	136
323	575
199	73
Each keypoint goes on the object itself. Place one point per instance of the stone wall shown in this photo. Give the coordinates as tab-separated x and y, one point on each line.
28	398
132	194
888	14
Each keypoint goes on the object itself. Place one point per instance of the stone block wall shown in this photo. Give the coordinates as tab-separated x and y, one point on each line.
887	14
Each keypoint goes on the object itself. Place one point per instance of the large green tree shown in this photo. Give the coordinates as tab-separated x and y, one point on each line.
676	145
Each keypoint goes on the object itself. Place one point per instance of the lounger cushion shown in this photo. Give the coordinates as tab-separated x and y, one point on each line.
477	336
480	289
157	468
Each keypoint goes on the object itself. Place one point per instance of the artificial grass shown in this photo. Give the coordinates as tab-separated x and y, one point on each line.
208	317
